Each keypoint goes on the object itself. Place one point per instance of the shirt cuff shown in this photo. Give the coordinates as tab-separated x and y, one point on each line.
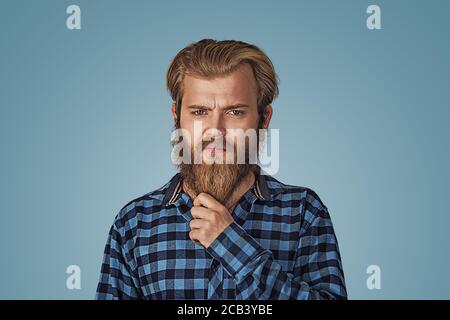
237	251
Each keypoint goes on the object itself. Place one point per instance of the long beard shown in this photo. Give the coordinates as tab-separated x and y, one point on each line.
217	179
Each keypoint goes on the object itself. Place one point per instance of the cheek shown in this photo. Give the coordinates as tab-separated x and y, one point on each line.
192	139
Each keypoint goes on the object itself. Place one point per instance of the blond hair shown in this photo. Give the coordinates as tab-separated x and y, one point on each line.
211	58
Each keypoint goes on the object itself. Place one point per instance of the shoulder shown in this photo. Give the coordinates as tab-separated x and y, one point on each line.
303	198
140	208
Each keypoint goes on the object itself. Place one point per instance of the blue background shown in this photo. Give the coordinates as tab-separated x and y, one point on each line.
363	118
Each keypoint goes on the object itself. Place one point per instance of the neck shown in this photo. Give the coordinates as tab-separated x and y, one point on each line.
238	192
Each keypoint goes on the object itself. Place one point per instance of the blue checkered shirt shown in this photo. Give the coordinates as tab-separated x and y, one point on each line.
281	246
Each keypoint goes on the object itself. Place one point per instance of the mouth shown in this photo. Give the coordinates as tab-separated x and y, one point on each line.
214	149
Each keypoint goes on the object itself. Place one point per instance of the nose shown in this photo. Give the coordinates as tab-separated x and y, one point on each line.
216	123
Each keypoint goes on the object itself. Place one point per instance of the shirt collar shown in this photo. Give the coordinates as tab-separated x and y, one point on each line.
173	191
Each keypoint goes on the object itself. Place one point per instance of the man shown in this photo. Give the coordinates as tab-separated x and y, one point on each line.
222	230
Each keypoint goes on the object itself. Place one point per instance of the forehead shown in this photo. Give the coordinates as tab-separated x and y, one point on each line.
236	87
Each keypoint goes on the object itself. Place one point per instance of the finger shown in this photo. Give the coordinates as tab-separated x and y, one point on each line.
206	200
200	213
194	235
197	224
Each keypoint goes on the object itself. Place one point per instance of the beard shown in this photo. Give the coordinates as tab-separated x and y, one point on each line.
219	180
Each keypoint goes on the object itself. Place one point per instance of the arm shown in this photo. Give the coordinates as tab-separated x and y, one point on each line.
317	272
117	281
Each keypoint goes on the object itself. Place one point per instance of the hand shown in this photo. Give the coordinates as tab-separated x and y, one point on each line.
211	218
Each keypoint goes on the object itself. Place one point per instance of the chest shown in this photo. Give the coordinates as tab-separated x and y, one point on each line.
171	266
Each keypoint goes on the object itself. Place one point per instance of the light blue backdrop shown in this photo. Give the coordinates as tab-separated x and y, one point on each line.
363	118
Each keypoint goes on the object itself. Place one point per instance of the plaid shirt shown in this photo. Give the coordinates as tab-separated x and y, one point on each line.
281	246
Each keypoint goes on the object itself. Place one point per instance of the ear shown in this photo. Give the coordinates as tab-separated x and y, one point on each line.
174	112
267	116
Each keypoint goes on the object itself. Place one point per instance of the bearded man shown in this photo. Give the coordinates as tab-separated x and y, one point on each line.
222	229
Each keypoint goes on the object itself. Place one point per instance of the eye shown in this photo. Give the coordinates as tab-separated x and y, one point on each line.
236	112
198	112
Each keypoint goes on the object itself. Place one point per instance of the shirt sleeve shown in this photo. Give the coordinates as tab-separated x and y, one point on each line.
317	273
117	281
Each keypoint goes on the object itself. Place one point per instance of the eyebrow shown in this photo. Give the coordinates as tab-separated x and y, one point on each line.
234	106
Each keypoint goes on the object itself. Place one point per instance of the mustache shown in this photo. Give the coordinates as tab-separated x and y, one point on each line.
204	145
